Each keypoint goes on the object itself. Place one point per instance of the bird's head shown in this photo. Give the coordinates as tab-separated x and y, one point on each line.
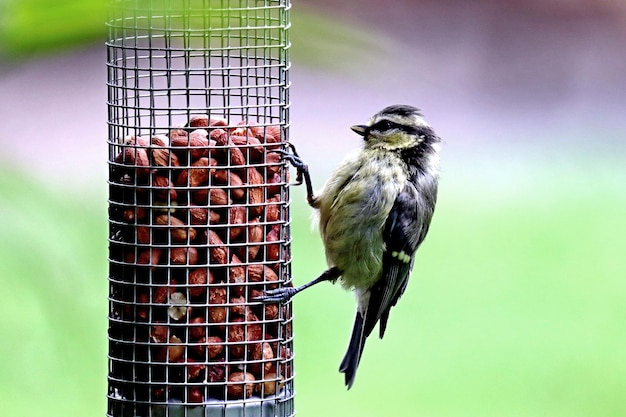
395	127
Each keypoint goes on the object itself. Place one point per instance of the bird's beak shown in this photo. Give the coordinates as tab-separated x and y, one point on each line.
359	129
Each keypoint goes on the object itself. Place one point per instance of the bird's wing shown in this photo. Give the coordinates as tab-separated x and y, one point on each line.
405	228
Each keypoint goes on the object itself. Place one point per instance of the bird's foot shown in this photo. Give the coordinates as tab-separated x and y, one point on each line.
278	295
302	172
294	159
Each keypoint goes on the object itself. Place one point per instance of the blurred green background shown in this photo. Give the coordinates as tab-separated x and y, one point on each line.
516	305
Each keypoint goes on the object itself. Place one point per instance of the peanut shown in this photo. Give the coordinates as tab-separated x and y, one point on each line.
208	197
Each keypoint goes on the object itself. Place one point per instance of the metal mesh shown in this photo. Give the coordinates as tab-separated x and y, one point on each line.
198	208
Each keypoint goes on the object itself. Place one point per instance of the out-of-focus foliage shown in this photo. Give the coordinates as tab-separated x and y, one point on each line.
53	317
515	307
30	27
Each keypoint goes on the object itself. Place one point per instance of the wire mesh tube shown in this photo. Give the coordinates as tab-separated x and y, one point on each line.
198	208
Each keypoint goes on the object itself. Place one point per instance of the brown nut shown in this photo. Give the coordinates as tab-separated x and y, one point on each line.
217	121
234	156
159	333
195	395
254	331
184	147
241	129
177	134
215	346
237	216
163	188
256	293
150	256
176	349
256	197
219	136
217	301
131	215
194	370
173	352
250	332
214	217
261	352
197	328
218	197
198	173
198	215
202	216
236	275
272	250
285	365
184	256
162	157
197	348
160	140
216	372
255	235
241	132
199	120
143	234
240	385
213	196
260	273
232	180
238	305
236	338
161	294
217	250
178	230
255	129
271	311
197	280
179	138
274	164
268	385
250	146
135	156
274	183
273	134
142	311
272	210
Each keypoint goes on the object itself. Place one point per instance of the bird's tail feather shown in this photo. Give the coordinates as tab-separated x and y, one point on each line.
351	360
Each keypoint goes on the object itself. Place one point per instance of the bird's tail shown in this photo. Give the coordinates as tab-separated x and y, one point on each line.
351	360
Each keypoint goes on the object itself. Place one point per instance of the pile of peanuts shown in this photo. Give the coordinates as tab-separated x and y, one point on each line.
197	233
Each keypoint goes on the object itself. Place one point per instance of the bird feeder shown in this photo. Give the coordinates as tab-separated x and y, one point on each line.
198	103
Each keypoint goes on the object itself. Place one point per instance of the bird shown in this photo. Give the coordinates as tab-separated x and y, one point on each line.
374	212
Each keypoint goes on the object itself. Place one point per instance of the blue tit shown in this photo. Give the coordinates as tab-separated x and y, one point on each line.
374	212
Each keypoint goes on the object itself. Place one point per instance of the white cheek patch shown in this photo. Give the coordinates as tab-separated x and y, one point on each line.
402	256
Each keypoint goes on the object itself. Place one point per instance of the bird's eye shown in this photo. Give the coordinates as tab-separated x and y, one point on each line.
383	125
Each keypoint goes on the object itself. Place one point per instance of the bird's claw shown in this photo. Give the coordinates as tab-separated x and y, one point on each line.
294	159
278	295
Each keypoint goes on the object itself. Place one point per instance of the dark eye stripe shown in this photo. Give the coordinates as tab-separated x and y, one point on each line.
384	125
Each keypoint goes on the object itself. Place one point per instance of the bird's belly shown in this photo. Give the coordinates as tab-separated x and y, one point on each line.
353	209
359	256
353	234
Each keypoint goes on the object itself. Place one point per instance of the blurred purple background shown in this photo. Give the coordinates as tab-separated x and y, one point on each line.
488	75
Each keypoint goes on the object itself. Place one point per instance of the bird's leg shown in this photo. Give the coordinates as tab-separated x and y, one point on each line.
281	295
302	172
